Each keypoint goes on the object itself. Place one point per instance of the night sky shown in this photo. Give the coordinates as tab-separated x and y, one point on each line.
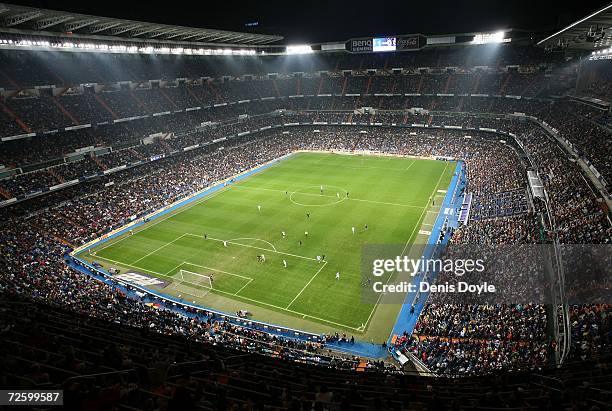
319	21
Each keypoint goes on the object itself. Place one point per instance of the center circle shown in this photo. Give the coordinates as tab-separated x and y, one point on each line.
312	196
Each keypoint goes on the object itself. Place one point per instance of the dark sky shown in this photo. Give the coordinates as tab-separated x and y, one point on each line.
318	21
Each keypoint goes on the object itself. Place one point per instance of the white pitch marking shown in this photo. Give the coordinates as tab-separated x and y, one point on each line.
243	287
411	164
252	246
175	268
217	270
253	238
159	248
307	284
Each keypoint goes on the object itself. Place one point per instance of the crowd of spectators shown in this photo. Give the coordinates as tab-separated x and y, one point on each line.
521	323
456	356
488	163
590	330
500	204
44	113
123	364
47	147
593	138
579	218
577	123
589	139
597	80
29	182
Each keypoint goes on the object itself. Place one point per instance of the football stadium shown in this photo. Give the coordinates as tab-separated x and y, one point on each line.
219	216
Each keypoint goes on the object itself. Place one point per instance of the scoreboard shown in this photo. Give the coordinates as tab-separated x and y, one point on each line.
382	44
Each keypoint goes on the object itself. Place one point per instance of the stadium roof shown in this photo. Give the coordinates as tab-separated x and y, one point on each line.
30	20
589	33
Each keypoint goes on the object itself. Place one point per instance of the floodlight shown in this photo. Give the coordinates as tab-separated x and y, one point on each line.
486	38
299	49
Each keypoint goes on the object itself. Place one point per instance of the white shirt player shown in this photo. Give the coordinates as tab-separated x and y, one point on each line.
285	263
283	234
318	258
337	195
224	243
338	275
353	228
259	208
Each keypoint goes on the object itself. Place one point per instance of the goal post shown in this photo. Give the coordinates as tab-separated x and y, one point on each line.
199	280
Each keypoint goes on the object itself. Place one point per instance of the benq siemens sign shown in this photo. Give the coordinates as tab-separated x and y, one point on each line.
379	44
359	45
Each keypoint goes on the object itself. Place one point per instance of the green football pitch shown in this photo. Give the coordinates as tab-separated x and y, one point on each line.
391	195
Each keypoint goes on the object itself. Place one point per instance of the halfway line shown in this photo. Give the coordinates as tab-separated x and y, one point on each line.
324	195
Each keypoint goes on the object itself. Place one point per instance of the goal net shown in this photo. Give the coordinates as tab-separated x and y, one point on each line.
200	281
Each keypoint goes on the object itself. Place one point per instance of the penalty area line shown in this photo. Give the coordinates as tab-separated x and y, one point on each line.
256	239
252	246
169	271
217	270
348	327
